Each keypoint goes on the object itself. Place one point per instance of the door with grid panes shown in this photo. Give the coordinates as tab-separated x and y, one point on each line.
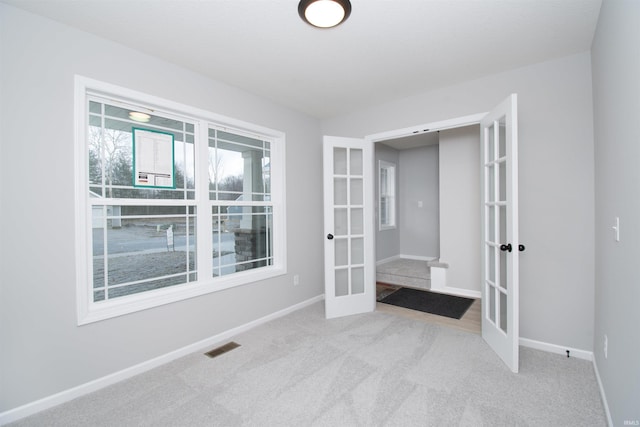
500	245
348	222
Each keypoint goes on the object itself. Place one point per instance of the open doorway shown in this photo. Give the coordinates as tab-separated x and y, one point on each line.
433	243
349	218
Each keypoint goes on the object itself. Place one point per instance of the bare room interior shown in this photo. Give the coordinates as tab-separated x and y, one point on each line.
191	212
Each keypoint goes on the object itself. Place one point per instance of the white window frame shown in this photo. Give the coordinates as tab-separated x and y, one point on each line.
389	222
89	311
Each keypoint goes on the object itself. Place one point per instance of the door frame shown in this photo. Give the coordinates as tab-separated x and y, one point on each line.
456	122
474	119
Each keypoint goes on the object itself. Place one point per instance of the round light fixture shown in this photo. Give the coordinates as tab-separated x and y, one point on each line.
324	13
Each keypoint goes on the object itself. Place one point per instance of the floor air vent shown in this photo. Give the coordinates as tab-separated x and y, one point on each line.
222	349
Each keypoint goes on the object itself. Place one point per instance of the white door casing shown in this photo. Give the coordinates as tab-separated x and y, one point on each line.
500	243
349	226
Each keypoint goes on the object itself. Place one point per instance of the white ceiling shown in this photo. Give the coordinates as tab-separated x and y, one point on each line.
386	50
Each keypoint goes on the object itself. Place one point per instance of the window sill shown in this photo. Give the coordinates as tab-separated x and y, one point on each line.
95	312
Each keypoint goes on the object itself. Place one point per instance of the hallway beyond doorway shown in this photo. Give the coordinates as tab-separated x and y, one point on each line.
416	274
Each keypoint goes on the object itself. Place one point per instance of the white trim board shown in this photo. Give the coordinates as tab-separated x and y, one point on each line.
418	258
412	257
579	354
468	293
385	260
97	384
557	349
603	396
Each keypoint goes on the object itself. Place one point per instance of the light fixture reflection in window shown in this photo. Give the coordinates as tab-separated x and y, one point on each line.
139	117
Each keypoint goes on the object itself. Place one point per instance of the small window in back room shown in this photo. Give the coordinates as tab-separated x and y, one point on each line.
387	196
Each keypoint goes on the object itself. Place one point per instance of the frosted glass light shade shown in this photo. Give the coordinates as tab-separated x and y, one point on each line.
324	13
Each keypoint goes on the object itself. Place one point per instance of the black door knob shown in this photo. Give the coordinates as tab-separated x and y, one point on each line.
330	236
506	247
521	248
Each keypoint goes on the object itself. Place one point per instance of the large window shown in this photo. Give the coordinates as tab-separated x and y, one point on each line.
173	202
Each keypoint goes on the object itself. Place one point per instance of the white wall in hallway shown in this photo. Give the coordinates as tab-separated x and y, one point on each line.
419	212
460	206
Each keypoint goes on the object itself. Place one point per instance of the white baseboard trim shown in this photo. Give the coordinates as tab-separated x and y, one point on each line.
460	292
414	257
603	396
385	260
579	354
418	258
557	349
75	392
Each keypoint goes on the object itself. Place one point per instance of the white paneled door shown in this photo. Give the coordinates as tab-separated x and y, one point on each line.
348	227
500	244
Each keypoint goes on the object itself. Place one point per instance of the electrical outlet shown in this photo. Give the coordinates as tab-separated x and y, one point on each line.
606	346
296	279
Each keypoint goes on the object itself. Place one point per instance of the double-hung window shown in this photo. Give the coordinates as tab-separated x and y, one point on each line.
172	202
387	195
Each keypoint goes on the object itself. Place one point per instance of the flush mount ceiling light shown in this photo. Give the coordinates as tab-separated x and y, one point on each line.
324	13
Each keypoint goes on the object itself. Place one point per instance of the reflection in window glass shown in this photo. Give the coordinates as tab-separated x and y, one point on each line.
242	238
240	190
111	157
144	247
239	166
141	248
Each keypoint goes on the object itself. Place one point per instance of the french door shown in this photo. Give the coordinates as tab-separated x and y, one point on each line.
500	245
348	224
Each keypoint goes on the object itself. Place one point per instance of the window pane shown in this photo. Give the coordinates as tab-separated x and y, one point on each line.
340	191
384	218
386	196
340	225
357	251
339	161
243	238
111	156
357	221
357	280
239	167
357	191
503	312
342	282
341	252
356	161
141	248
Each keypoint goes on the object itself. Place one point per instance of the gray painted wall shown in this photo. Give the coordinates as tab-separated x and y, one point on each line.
460	206
556	182
419	225
43	351
387	241
616	94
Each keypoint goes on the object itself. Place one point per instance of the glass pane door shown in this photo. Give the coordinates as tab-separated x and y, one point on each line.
349	263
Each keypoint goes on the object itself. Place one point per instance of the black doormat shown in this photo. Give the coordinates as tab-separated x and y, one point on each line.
429	302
